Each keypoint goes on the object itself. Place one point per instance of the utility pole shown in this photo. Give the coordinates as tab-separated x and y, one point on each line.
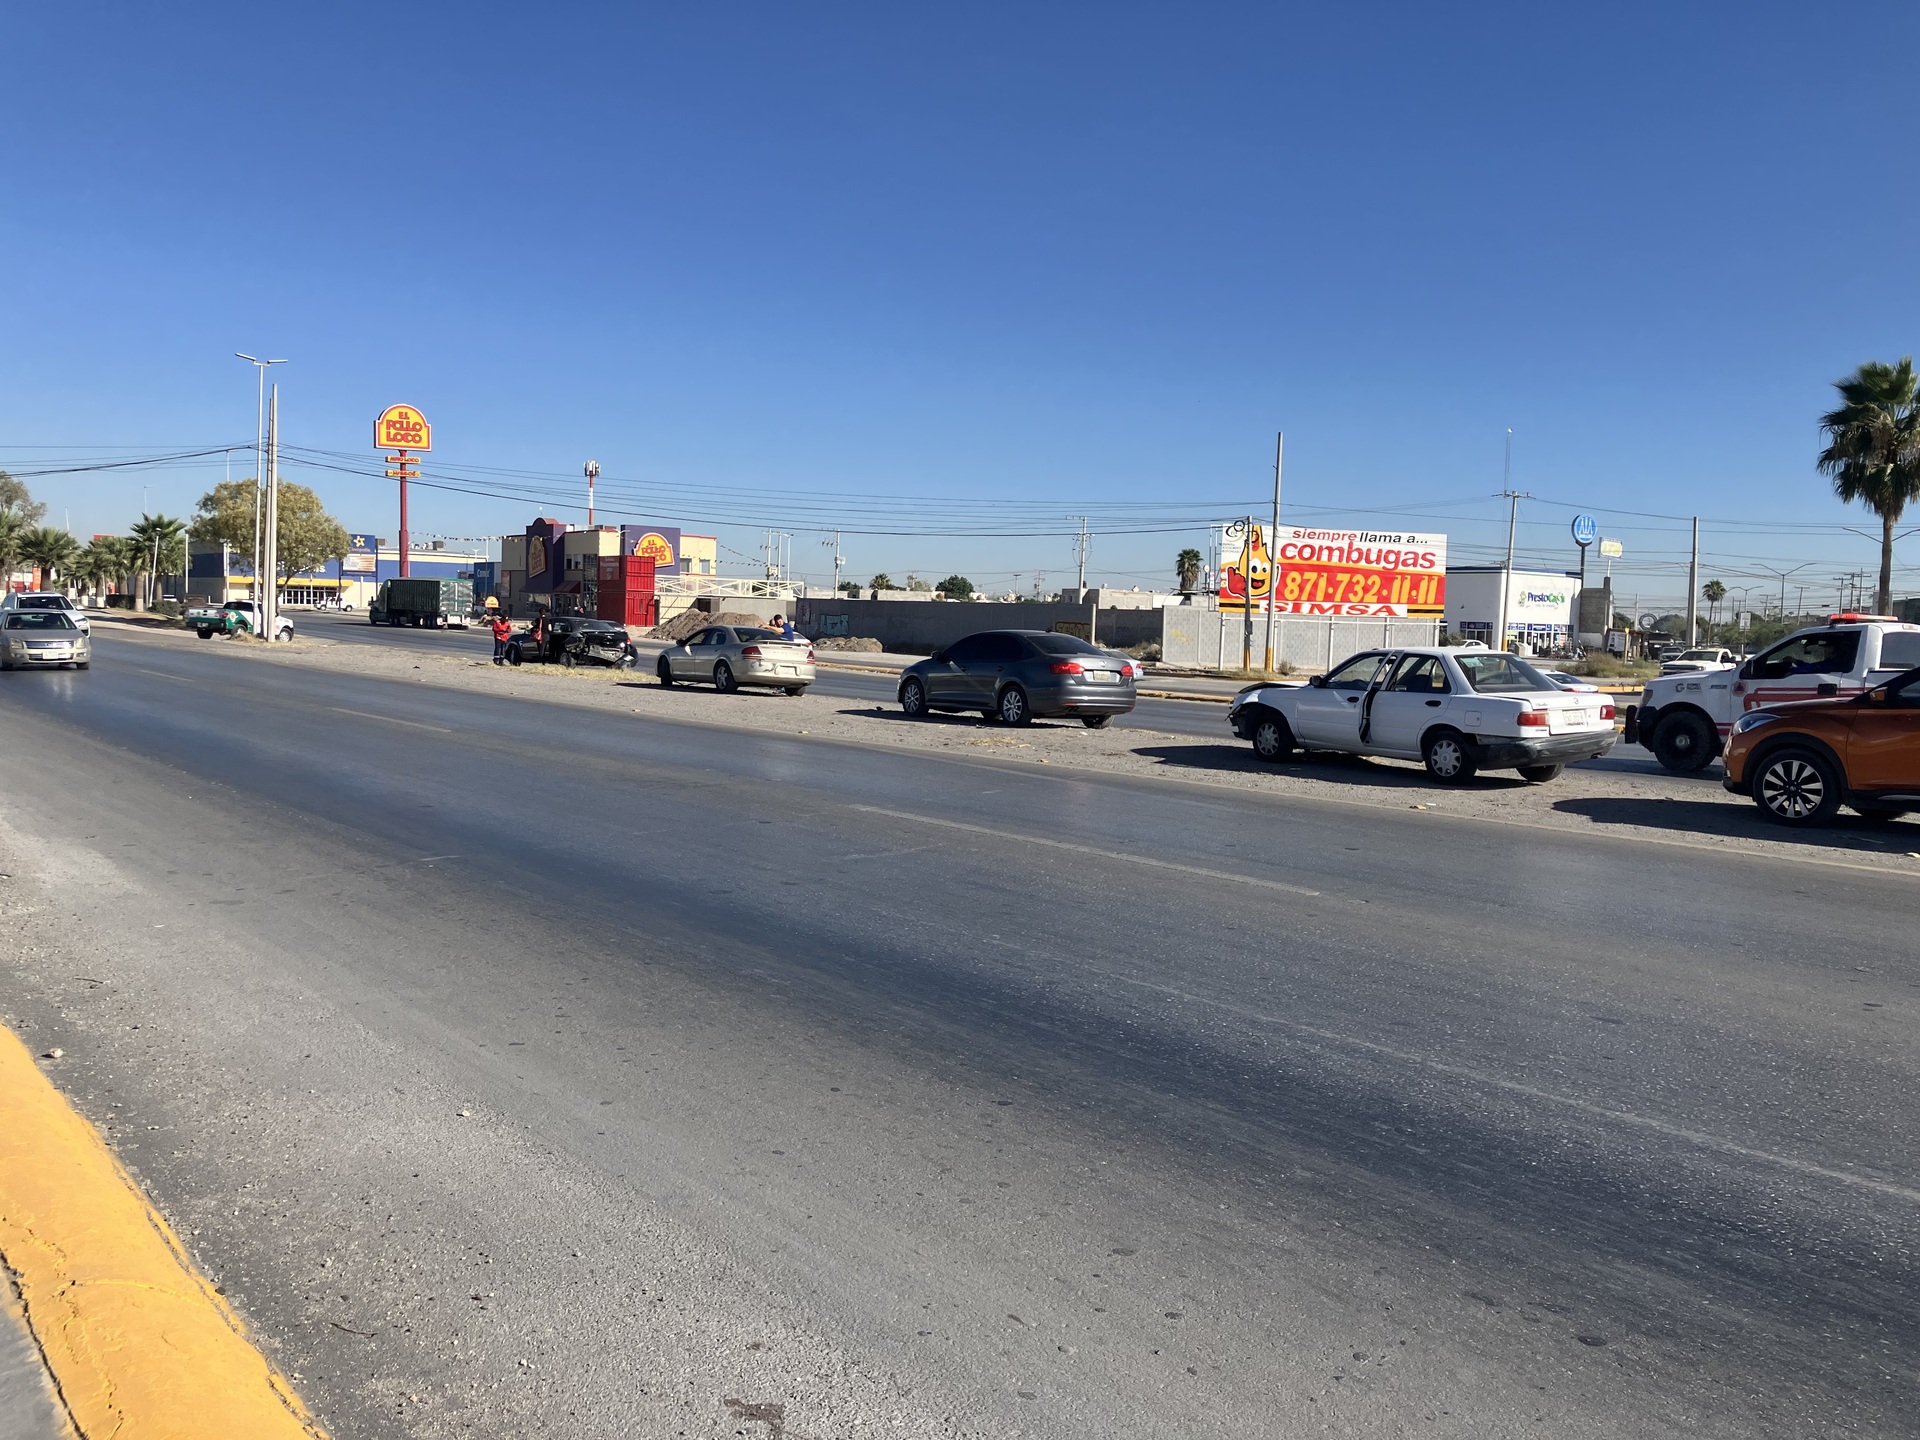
268	599
1513	498
593	474
1081	545
259	460
1246	580
838	560
1693	583
1273	550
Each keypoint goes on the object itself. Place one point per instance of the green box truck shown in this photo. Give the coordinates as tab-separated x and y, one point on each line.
416	601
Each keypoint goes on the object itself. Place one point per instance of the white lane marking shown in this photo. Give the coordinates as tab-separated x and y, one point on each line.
390	719
163	675
1120	855
1534	1092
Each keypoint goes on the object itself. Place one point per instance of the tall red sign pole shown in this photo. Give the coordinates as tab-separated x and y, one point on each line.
401	428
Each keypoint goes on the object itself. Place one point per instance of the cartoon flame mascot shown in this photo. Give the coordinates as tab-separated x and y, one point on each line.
1253	564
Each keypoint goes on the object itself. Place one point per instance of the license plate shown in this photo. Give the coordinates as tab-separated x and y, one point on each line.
1099	676
1574	717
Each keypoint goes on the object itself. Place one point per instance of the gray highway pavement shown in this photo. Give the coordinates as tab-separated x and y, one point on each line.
523	1070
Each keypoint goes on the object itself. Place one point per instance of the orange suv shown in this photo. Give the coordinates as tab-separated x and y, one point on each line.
1801	761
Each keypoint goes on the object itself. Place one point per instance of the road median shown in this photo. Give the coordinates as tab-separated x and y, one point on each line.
140	1346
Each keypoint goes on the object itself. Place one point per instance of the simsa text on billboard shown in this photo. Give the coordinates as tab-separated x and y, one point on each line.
1359	572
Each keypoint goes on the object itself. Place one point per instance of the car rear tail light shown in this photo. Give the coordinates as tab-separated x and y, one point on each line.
1532	719
1068	667
809	654
751	652
1606	712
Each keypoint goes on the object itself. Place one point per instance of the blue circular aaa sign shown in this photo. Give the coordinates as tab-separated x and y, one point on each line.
1586	530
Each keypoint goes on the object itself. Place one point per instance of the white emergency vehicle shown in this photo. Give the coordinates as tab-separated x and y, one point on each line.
1684	719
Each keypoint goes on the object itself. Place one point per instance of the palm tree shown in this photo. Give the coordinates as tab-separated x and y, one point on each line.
159	542
1186	566
13	533
1873	450
1713	592
100	564
51	549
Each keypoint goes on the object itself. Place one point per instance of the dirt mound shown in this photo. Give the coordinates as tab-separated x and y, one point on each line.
858	643
691	622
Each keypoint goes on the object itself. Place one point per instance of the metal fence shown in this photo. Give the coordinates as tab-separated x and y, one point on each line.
1212	639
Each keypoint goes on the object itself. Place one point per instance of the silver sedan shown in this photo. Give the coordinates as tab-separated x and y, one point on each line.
730	656
42	637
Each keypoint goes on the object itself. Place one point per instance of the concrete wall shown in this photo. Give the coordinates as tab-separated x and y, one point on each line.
1212	640
921	626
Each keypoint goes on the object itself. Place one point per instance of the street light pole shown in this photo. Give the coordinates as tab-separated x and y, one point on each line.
593	474
1273	550
259	463
1513	499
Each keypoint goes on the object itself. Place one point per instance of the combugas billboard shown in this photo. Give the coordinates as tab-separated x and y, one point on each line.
1334	572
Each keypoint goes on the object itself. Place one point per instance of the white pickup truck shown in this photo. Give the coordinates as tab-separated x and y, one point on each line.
1684	719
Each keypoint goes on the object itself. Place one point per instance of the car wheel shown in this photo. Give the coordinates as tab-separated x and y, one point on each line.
204	634
796	689
913	699
1685	743
629	659
1015	709
1448	759
568	660
1540	774
664	671
513	655
1272	739
1796	787
723	680
1096	722
88	665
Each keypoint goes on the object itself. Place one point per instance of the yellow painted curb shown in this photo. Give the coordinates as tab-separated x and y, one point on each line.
137	1341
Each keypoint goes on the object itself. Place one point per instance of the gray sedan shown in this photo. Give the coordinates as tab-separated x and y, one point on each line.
734	655
1014	675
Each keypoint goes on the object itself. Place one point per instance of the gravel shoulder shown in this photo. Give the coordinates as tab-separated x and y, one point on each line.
1610	796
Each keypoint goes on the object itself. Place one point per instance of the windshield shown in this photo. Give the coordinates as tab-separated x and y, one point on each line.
38	620
1494	674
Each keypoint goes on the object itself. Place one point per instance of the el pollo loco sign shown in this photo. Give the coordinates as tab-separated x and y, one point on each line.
1359	572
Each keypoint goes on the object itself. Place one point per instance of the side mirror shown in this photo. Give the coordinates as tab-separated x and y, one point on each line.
1878	695
938	655
1318	682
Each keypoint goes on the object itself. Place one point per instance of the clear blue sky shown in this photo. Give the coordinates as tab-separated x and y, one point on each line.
1064	256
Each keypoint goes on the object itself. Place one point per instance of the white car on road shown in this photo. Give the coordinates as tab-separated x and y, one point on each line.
1457	710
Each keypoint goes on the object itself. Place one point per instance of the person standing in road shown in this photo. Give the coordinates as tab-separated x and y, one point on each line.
502	628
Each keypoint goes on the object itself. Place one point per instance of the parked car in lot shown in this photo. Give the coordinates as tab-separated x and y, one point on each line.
1571	682
47	600
1017	675
1457	710
1802	761
575	640
729	656
49	638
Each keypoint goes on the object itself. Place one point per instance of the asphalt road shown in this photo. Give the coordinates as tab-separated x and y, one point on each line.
522	1070
1175	717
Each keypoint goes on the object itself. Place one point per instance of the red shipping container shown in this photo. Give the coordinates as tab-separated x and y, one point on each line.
626	593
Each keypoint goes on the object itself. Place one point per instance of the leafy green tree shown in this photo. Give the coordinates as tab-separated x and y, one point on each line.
914	582
14	497
1873	450
882	581
1186	568
849	587
307	536
956	587
99	565
51	549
